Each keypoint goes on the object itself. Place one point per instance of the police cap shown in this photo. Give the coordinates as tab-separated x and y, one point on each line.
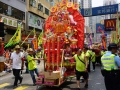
112	45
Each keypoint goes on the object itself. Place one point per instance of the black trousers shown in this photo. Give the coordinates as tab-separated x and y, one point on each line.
26	64
93	64
112	80
98	60
16	73
89	66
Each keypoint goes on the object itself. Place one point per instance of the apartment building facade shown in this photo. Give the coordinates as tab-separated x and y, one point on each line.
11	14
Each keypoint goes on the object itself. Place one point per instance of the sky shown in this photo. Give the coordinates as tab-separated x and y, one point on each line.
96	3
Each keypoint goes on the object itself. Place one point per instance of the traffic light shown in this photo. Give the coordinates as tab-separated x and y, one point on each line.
2	34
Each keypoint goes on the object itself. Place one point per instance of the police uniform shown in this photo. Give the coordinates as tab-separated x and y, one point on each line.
110	63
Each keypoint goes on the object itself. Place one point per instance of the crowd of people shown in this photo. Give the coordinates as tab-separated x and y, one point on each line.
105	58
16	59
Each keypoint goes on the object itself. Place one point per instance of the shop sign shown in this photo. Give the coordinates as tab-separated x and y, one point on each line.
35	21
9	22
110	24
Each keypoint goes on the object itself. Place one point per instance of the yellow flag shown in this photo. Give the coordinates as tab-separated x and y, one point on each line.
40	38
17	38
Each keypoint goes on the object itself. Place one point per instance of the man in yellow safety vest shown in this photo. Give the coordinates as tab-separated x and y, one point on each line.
110	68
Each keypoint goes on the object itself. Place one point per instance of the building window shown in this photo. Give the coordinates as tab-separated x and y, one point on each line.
52	3
18	14
47	0
10	11
5	9
46	11
23	0
40	7
33	3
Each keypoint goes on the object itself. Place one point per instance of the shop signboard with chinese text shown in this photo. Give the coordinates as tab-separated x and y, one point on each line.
110	24
35	21
103	10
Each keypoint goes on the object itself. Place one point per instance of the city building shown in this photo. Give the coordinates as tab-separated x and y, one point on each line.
11	14
87	4
32	14
38	10
109	2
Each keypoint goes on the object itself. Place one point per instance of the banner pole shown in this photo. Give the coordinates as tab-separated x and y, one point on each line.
26	37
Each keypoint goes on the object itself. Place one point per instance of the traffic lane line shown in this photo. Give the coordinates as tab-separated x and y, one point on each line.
21	88
4	85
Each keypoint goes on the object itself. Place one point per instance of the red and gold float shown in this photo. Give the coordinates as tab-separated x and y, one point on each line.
64	32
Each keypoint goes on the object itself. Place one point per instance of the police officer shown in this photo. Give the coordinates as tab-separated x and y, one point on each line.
111	66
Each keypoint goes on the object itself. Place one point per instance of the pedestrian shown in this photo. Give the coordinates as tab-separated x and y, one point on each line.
98	55
81	67
26	61
32	66
17	65
93	60
39	54
111	68
88	54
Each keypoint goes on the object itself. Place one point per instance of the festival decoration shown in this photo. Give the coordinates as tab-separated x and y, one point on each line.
53	9
70	4
64	2
48	50
63	33
64	29
58	50
53	52
35	41
104	40
75	6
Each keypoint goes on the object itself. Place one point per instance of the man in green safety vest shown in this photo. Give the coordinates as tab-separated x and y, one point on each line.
81	67
110	68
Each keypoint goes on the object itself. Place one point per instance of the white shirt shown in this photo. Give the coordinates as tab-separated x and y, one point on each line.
16	58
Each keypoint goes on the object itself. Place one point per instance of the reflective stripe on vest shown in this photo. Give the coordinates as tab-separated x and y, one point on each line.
108	62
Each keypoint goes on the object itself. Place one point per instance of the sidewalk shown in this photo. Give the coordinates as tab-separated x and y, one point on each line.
3	73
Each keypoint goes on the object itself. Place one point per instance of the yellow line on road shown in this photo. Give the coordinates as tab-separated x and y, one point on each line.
4	85
21	88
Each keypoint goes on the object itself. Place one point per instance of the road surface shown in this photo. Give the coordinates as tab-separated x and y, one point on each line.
96	82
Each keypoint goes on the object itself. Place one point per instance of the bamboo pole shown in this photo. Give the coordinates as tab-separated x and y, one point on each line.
26	38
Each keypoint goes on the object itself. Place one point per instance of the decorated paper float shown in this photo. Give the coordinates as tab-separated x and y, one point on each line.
63	34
